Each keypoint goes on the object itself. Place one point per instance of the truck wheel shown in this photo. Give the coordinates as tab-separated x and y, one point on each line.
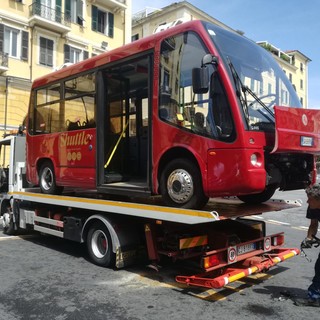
181	185
259	197
99	245
47	179
8	225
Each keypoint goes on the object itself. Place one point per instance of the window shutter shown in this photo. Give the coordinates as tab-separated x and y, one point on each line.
94	18
49	52
66	53
85	55
110	24
25	46
1	36
67	10
58	10
80	12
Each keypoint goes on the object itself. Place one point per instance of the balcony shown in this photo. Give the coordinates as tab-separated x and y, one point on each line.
3	62
49	18
114	4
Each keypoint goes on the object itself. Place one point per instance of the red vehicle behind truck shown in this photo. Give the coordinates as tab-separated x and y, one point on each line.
224	243
190	113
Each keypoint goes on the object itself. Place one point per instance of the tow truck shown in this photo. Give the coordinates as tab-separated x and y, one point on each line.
222	240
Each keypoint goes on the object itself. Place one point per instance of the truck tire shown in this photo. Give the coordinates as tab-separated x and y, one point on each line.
99	245
8	226
47	179
181	185
257	198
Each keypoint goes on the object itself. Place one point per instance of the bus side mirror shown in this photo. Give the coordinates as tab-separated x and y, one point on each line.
200	80
200	76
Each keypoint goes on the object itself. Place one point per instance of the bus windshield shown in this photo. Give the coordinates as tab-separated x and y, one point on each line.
259	80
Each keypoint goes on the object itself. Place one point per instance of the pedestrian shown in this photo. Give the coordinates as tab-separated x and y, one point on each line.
313	213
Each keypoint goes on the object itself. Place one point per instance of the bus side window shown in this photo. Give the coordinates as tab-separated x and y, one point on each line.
179	55
222	118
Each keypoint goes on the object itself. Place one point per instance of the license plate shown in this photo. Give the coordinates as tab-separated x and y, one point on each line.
246	248
306	141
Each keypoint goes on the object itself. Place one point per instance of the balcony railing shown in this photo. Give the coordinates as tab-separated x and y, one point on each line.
3	61
49	14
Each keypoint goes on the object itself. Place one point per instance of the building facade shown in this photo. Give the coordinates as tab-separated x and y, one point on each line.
294	63
147	22
40	36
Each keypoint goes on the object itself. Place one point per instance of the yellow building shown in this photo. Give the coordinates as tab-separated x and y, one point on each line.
295	66
40	36
149	21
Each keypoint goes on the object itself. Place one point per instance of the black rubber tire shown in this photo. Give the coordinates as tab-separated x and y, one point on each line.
6	209
9	230
259	197
99	245
193	196
47	179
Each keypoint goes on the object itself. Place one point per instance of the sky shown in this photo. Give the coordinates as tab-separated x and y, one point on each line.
286	24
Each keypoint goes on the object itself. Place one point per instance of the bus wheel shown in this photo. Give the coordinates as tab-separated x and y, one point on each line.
181	185
99	245
259	197
47	179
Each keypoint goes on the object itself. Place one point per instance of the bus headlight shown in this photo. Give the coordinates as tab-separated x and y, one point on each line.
254	159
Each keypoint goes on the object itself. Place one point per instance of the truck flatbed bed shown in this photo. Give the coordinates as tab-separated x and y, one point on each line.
217	208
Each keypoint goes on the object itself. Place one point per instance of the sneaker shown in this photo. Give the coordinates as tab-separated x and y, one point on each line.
307	302
313	293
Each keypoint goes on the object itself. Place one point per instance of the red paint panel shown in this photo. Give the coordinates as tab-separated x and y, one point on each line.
297	130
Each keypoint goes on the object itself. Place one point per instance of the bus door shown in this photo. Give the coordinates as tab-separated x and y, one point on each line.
124	162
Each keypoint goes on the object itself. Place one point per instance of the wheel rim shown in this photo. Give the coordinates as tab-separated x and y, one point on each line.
180	186
47	179
99	244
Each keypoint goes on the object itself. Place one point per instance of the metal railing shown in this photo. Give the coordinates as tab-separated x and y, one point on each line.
49	14
3	59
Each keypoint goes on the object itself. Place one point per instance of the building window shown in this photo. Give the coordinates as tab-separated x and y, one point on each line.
74	11
46	52
301	101
252	84
11	42
301	84
102	21
74	55
14	42
301	66
135	37
290	77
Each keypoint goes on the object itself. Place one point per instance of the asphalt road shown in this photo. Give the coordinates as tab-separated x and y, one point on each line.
43	277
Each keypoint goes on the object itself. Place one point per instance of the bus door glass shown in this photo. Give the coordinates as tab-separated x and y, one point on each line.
127	123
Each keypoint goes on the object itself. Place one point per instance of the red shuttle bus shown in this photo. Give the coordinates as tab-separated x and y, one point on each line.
191	112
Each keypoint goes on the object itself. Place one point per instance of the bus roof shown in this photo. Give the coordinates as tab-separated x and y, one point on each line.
124	51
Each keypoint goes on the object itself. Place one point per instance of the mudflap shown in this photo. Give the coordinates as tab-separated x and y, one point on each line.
239	270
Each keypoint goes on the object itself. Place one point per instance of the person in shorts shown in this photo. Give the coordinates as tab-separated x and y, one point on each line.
313	213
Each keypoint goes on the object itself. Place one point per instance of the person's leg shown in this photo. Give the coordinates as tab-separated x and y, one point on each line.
314	288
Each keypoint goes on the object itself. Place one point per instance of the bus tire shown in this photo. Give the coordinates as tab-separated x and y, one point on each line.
257	198
47	179
181	185
99	245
